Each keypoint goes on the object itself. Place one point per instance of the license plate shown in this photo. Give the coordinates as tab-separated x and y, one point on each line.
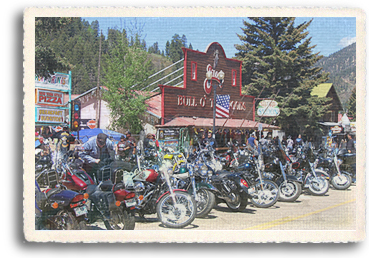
80	210
130	202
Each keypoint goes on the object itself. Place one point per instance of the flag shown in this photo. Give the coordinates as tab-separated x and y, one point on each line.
222	106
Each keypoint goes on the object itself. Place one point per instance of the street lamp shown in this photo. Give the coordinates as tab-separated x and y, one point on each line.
220	77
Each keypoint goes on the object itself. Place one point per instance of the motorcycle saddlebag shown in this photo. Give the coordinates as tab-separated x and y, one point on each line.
104	201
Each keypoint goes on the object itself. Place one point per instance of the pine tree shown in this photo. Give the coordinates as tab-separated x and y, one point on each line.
351	104
277	57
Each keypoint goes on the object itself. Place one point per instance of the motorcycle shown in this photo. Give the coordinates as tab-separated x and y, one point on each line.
108	200
230	187
264	193
58	208
155	193
330	162
315	180
276	163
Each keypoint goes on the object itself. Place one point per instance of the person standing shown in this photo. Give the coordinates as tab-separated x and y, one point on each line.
350	144
252	141
97	148
131	142
299	140
121	148
64	139
289	143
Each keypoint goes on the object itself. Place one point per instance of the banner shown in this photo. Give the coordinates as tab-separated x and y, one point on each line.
58	81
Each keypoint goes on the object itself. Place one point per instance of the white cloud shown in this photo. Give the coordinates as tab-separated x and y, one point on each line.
346	41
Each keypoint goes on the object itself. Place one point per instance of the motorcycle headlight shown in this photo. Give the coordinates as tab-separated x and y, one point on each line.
203	170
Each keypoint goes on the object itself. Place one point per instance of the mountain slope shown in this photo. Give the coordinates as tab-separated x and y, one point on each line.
342	68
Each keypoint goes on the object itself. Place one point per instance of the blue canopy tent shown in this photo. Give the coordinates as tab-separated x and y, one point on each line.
87	133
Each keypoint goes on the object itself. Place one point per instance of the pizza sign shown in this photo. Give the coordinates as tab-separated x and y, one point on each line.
51	98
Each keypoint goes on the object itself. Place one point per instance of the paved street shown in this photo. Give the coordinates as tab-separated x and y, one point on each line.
334	211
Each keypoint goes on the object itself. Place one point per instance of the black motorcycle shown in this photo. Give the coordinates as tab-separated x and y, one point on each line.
276	165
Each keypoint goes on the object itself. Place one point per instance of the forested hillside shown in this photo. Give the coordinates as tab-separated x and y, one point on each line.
342	68
74	45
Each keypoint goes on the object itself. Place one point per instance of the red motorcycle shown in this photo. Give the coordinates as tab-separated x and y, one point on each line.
108	200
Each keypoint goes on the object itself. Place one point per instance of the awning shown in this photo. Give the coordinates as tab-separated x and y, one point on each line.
220	122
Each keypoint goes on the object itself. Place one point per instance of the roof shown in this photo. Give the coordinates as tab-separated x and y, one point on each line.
321	90
220	122
155	105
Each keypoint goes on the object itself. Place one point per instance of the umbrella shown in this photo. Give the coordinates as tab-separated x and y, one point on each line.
86	134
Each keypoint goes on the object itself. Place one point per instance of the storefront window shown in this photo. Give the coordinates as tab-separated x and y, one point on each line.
233	77
193	71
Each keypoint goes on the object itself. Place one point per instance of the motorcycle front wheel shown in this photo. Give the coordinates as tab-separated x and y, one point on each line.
120	220
289	191
264	195
205	202
318	186
178	213
341	182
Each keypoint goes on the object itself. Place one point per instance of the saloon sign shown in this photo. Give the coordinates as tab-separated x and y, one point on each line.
202	72
268	108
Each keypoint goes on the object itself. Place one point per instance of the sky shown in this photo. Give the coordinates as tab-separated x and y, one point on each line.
329	34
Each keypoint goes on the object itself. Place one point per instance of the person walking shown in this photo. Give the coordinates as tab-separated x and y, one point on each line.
289	143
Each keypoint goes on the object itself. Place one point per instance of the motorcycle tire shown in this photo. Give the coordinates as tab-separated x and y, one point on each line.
178	215
205	203
341	182
120	220
62	221
289	191
264	198
82	225
318	186
239	201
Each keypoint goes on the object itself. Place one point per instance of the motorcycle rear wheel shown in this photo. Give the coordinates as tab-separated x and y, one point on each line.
120	220
266	197
62	221
179	214
341	182
318	186
289	191
239	201
205	203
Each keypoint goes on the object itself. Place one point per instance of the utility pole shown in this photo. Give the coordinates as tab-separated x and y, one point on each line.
98	94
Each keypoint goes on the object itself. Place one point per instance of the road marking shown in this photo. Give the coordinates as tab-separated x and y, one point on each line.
284	220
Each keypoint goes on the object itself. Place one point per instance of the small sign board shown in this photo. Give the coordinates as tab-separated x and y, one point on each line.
268	108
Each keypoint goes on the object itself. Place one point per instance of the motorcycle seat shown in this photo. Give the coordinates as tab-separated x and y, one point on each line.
53	191
106	186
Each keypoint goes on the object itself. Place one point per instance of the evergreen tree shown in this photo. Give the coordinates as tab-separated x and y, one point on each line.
47	59
277	57
351	104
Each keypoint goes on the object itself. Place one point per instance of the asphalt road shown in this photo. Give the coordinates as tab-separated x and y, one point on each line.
334	211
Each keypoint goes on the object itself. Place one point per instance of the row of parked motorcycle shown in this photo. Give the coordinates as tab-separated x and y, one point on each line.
181	186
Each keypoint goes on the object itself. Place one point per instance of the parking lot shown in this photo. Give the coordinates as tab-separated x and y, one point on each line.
334	211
